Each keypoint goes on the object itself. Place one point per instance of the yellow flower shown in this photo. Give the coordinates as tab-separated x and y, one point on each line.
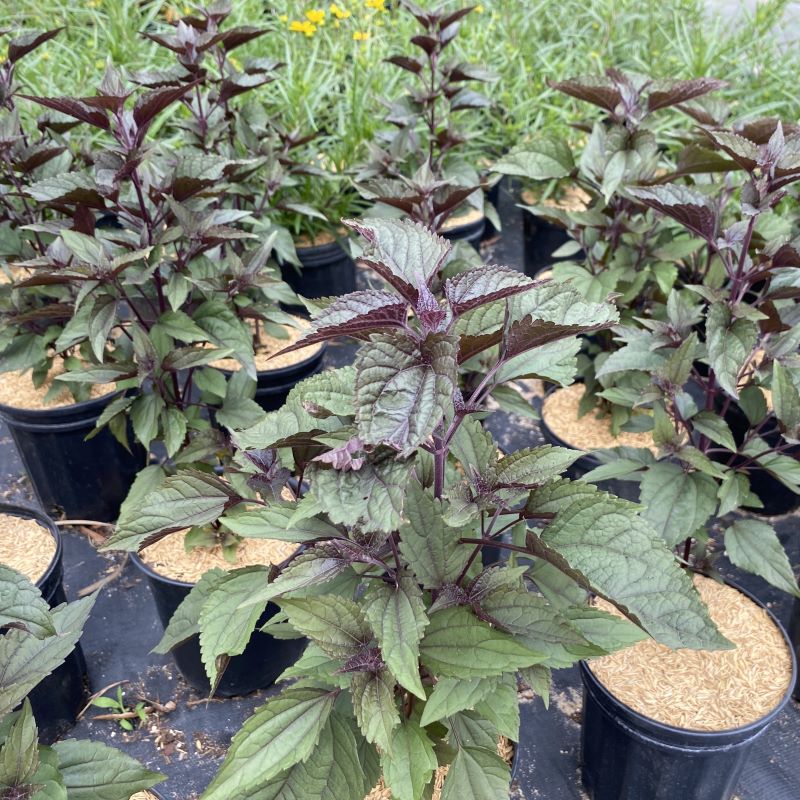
361	36
284	17
339	13
316	16
479	9
378	5
305	27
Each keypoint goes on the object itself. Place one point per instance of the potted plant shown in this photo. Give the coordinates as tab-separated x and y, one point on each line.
613	245
48	419
287	179
172	284
417	168
720	367
413	644
37	641
196	557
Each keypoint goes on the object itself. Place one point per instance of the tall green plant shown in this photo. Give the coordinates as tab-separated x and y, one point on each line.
414	647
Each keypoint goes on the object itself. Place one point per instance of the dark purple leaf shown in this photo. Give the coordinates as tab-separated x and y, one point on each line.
367	660
527	333
75	108
22	45
447	21
341	458
598	91
481	285
358	315
692	209
670	93
155	101
427	43
234	37
406	62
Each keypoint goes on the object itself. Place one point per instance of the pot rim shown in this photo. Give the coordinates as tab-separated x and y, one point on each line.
27	512
654	727
10	412
280	372
149	572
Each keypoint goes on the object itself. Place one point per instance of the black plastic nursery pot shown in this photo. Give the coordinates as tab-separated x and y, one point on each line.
59	698
471	232
794	635
628	490
263	660
776	497
273	385
540	239
627	756
70	475
327	270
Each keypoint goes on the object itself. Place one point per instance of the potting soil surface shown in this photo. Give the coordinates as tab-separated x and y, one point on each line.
185	736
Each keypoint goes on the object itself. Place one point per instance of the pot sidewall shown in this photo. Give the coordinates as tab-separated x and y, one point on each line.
263	660
625	755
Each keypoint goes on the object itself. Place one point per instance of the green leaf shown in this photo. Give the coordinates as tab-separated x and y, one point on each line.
430	546
607	631
179	325
19	754
540	160
473	446
48	777
403	389
600	542
277	521
535	465
477	773
314	566
281	733
635	355
786	400
332	391
679	364
411	764
451	695
715	428
144	414
539	678
538	625
226	627
226	330
192	357
501	707
371	497
21	604
397	615
95	771
754	546
458	644
375	707
182	501
336	625
729	345
332	771
26	660
101	320
84	248
677	502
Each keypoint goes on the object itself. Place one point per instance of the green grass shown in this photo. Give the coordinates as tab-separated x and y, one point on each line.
334	83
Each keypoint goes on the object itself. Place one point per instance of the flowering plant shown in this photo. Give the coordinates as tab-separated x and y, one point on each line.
415	647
